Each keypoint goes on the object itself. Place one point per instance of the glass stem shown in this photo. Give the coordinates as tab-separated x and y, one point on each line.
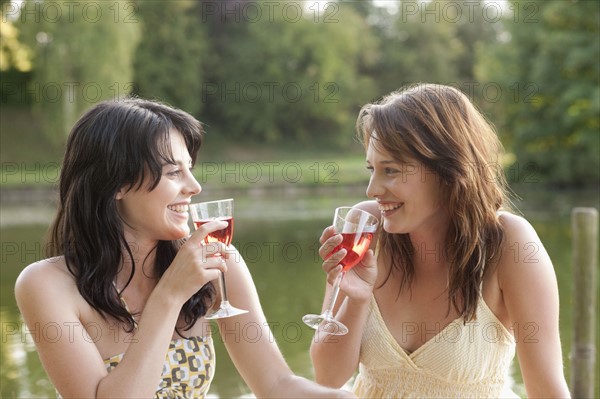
334	295
223	288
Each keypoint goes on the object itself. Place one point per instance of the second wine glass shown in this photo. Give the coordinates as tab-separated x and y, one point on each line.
203	213
357	228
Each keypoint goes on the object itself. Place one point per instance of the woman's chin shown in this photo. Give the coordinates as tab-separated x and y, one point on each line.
392	228
178	234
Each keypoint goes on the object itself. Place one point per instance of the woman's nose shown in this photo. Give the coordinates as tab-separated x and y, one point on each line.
192	186
375	188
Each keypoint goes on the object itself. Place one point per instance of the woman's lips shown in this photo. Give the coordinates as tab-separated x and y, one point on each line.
389	208
179	208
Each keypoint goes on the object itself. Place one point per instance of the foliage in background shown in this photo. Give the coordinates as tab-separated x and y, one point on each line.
83	54
260	73
417	47
169	59
549	71
289	77
13	53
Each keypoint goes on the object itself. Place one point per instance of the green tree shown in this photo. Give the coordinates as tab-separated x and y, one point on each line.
13	53
364	8
418	44
83	55
474	27
168	61
549	71
290	75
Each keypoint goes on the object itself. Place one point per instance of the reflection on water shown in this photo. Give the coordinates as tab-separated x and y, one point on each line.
277	235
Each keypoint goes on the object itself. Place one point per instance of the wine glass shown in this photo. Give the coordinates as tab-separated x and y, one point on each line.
357	228
205	212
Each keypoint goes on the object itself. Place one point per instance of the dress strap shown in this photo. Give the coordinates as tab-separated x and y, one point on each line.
135	323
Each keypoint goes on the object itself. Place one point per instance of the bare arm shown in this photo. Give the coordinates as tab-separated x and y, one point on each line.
336	358
47	295
257	358
530	292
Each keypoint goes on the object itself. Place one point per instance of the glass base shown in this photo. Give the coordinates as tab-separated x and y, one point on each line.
325	324
225	310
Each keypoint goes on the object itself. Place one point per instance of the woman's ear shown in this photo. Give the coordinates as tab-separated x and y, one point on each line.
121	193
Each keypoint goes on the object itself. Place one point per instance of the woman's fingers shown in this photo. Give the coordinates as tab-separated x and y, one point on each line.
200	234
334	260
207	258
369	260
209	249
330	241
328	232
212	249
325	251
333	274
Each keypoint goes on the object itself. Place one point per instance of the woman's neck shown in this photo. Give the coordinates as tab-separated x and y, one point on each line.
140	264
429	244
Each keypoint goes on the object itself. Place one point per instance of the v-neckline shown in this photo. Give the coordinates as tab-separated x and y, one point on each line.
390	337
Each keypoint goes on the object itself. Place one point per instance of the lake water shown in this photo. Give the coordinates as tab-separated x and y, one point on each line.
277	233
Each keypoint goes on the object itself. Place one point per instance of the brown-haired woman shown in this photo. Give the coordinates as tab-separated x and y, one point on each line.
458	281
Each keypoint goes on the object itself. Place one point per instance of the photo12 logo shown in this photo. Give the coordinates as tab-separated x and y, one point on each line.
268	172
469	11
270	92
65	92
70	11
270	11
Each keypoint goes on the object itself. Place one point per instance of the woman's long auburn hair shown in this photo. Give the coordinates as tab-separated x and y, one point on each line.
116	144
440	128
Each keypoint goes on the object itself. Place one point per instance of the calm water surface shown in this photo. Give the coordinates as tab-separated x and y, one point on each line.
277	234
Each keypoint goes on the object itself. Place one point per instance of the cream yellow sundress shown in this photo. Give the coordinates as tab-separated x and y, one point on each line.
464	360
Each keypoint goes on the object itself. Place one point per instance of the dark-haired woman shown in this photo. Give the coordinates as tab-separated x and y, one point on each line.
457	282
126	291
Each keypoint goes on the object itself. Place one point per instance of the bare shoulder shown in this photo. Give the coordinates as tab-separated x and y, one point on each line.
47	280
520	237
44	271
369	206
523	255
516	226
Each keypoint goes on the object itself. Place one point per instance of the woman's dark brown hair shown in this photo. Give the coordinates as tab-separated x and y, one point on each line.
440	128
116	144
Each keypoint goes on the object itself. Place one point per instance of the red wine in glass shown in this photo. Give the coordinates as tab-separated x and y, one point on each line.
203	213
357	228
356	245
223	236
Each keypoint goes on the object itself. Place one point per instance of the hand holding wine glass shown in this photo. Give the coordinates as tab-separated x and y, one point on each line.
359	282
203	213
357	228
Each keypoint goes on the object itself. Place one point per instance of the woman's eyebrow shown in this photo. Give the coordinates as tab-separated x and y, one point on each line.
384	162
178	162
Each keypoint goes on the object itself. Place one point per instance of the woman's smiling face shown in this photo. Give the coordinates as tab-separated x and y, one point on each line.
409	195
161	214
